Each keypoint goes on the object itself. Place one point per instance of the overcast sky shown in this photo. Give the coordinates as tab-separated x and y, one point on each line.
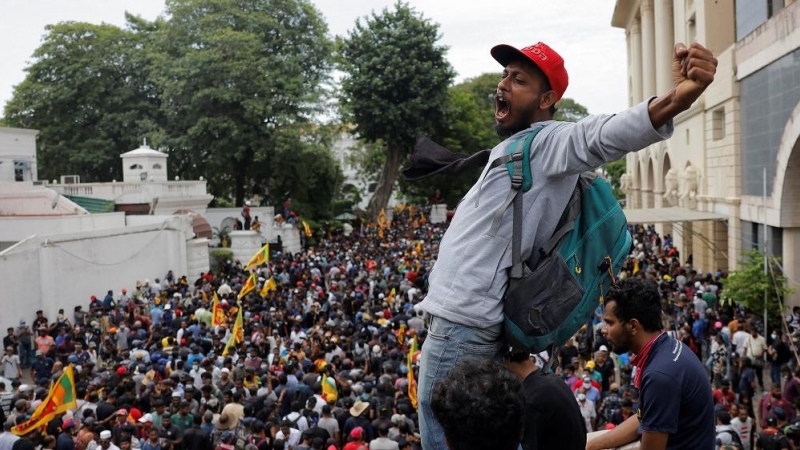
579	30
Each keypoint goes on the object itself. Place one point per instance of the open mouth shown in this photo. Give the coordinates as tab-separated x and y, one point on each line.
501	107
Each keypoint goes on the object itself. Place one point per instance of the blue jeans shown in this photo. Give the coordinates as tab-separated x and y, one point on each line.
775	374
448	344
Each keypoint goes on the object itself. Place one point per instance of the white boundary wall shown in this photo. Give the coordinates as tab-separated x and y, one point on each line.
63	271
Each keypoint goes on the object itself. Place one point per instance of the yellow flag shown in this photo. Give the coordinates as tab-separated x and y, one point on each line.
390	297
635	266
237	334
205	297
268	286
329	392
418	249
249	286
382	221
412	384
259	258
307	228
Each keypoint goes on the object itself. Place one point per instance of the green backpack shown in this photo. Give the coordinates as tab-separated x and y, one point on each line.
546	304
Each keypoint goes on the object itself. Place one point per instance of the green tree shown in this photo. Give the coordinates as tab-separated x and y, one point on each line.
749	283
394	86
87	93
239	81
569	110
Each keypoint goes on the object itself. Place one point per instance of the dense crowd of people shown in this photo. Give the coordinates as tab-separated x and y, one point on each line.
153	372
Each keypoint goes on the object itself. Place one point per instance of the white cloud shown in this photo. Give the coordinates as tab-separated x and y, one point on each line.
580	30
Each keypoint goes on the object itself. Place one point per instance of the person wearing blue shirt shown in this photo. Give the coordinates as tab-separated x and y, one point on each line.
676	407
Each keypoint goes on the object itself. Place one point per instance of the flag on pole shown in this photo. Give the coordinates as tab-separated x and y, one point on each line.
329	392
268	286
390	297
60	399
249	286
205	297
412	384
382	221
217	314
307	228
237	334
259	258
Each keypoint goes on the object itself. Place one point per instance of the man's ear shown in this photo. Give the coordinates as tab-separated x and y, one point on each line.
547	100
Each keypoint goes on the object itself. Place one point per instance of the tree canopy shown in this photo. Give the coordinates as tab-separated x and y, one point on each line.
236	77
87	93
394	86
228	88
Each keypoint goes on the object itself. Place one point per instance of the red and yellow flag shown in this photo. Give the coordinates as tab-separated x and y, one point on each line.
307	228
249	286
268	286
259	258
217	314
237	333
412	384
61	399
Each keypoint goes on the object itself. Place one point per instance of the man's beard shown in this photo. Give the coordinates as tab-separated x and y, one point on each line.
525	116
622	347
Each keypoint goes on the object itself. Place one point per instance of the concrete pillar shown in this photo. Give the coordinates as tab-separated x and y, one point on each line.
629	49
636	61
791	262
665	44
244	244
648	49
647	197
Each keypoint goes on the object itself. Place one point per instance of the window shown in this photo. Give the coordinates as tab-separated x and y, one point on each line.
136	167
20	167
156	166
718	124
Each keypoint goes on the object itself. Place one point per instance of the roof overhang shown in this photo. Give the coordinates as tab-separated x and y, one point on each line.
670	215
622	13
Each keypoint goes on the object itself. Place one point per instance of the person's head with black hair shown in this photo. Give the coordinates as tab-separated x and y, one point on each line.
480	405
632	314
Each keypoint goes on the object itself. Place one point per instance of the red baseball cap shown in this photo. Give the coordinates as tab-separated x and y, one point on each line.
550	62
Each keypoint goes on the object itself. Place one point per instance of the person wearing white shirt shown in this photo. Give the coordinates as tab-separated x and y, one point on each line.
290	436
7	438
11	364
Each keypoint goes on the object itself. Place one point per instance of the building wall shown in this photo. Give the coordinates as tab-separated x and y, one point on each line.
706	136
19	228
64	271
17	145
768	59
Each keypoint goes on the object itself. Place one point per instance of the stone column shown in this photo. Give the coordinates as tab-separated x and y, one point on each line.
636	61
648	49
244	244
628	48
665	45
791	261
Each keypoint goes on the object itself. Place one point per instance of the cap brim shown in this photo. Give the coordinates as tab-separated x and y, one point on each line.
504	54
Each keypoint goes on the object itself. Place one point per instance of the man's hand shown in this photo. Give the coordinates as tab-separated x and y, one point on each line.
693	69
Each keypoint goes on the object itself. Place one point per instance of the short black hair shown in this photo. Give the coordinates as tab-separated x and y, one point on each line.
637	299
480	405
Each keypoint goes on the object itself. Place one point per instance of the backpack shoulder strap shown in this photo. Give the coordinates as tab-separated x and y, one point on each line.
519	170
